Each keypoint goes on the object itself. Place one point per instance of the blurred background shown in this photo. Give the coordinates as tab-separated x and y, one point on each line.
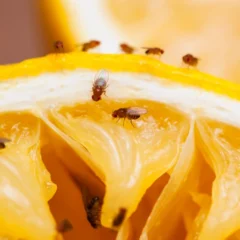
22	31
208	29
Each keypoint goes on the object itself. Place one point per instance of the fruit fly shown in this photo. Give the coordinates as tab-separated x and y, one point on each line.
130	113
154	51
64	226
90	45
190	60
117	221
126	48
93	210
100	85
3	141
58	45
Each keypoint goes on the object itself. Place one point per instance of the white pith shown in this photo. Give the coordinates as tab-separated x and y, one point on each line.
70	87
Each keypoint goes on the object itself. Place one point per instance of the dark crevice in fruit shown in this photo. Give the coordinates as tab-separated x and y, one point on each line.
67	203
139	217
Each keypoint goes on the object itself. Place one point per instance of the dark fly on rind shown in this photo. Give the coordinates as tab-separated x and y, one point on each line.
90	45
126	48
190	60
58	45
154	51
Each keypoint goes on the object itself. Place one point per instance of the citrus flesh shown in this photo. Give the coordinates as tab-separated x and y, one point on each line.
188	136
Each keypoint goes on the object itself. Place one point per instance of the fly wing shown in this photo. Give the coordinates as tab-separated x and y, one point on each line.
101	74
136	111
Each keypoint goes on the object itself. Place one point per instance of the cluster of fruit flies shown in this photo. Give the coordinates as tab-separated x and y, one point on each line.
188	59
149	50
59	48
99	87
100	84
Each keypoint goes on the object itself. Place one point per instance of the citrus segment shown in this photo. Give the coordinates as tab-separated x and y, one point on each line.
128	159
124	232
204	202
25	183
68	197
220	145
173	196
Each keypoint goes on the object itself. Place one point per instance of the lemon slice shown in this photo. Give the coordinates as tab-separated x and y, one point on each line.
189	114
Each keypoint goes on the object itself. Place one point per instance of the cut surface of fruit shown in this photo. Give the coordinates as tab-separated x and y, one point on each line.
25	183
188	124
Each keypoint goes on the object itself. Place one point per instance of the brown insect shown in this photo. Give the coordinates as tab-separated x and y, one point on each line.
154	51
64	226
126	48
93	210
90	45
190	60
100	84
117	221
58	45
130	113
3	141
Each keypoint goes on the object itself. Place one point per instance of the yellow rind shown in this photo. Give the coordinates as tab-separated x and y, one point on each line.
120	63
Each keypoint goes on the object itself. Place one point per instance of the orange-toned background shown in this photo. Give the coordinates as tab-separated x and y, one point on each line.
22	33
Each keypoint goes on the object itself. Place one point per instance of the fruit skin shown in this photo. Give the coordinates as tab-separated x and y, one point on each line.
120	63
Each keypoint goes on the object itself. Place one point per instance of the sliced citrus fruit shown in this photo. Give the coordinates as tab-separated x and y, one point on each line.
146	170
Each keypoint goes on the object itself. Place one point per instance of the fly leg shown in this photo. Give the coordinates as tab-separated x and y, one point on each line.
117	120
123	121
104	92
132	123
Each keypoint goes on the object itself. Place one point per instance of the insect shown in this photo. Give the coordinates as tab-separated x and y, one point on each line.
190	60
100	85
93	210
130	113
58	45
3	141
64	226
89	45
117	221
154	51
126	48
